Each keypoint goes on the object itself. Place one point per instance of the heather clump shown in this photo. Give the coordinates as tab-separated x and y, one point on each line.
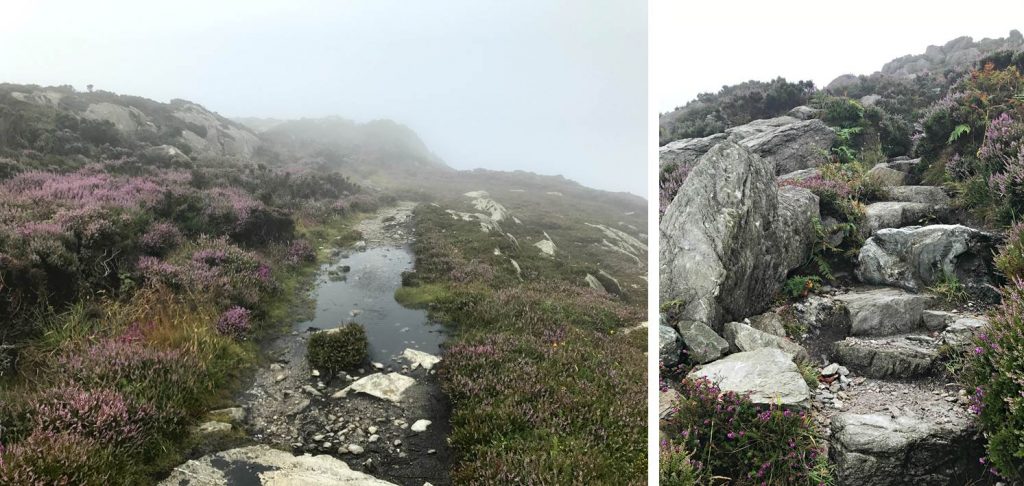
993	364
235	322
161	238
742	442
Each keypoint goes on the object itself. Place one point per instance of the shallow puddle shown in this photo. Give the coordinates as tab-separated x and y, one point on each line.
368	288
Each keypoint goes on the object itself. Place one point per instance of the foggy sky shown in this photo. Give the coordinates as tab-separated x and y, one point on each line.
554	87
699	47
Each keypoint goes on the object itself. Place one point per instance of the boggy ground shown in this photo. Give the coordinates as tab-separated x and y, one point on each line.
290	409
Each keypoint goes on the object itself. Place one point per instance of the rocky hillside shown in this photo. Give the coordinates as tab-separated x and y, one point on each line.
836	283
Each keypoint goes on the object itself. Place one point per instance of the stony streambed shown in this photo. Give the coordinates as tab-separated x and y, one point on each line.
384	423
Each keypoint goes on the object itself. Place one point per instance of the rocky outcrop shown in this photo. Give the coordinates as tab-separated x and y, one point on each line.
262	465
707	260
879	450
769	375
959	53
915	258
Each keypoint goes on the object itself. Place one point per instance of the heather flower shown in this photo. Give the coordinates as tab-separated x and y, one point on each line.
161	237
234	322
300	251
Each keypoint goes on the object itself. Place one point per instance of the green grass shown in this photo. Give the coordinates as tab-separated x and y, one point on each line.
421	295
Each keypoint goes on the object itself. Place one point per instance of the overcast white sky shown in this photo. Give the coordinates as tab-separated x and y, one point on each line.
554	87
700	46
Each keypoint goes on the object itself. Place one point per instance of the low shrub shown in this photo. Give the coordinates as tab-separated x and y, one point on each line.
62	458
675	467
235	322
338	349
161	238
743	442
299	252
992	371
1010	258
546	407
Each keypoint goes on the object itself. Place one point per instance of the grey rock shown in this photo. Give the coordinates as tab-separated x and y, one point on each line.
886	358
886	176
920	194
212	427
233	414
963	330
891	214
758	127
883	312
918	257
769	322
879	450
936	320
800	175
270	467
686	152
707	262
823	314
804	113
793	146
670	346
701	342
769	375
667	400
742	337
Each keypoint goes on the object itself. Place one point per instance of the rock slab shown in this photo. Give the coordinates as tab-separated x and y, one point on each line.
270	467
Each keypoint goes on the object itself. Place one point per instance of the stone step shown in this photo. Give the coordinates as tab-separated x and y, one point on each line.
900	357
892	433
919	194
884	311
897	214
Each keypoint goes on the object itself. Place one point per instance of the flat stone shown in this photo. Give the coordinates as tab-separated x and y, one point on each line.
887	358
919	194
386	386
890	214
212	427
419	358
769	375
269	467
745	338
936	320
884	312
887	176
880	450
963	330
420	425
233	414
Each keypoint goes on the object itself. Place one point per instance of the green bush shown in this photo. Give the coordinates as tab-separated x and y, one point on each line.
675	467
338	349
1010	259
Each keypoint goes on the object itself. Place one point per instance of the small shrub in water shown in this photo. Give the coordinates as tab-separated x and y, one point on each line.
338	349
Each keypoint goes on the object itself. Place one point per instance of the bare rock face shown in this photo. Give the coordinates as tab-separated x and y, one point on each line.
880	450
917	257
730	236
793	146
